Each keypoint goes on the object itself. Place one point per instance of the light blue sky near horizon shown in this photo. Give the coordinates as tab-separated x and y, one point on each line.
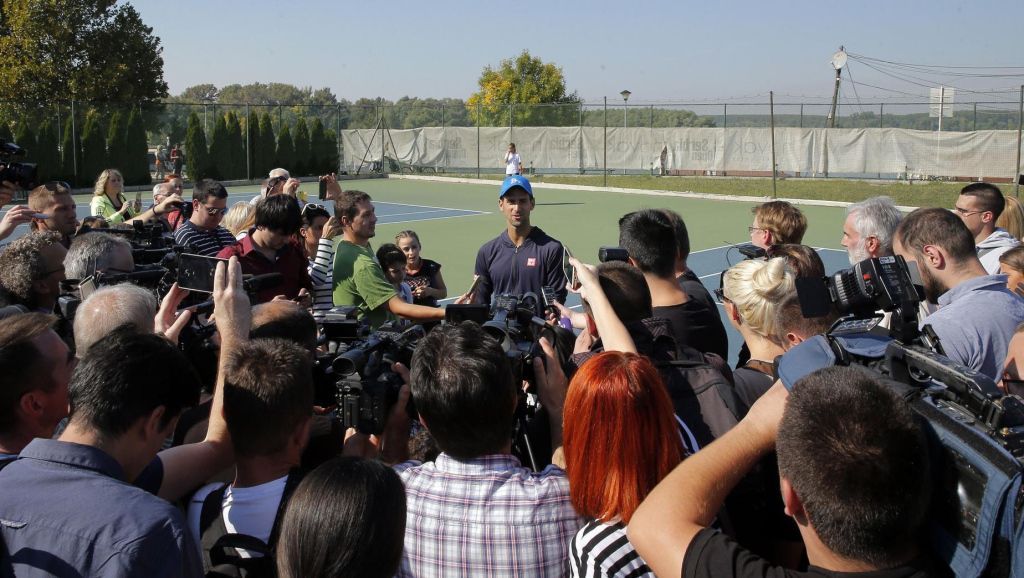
661	51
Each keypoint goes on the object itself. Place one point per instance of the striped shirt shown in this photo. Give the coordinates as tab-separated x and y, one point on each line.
602	550
321	272
207	242
487	516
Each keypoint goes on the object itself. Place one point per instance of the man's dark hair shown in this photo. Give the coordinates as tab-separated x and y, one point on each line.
463	389
626	289
206	188
19	362
311	213
389	255
279	213
682	235
126	376
858	461
284	320
789	318
346	204
346	518
649	238
268	393
988	197
936	227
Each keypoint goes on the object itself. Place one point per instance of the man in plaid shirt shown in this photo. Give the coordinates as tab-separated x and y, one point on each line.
475	511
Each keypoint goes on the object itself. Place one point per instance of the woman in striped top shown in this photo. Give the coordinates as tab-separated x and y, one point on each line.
620	439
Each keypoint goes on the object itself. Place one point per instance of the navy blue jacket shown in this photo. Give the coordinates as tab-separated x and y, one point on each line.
504	268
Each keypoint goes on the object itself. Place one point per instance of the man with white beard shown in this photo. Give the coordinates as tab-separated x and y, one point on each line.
869	228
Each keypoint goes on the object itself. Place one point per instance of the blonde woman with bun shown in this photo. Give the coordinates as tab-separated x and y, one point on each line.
751	292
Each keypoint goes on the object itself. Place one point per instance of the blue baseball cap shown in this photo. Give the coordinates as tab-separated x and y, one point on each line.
513	182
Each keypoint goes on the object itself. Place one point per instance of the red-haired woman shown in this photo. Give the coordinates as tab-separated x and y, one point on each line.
620	439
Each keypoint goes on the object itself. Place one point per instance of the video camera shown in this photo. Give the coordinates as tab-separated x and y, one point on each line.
977	431
23	175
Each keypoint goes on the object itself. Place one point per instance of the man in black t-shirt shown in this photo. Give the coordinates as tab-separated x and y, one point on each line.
649	238
855	477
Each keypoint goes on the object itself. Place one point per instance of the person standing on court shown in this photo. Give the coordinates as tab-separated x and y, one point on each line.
522	258
513	164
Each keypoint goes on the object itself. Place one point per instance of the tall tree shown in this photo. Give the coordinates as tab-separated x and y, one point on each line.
220	152
329	151
136	149
116	153
252	132
521	82
286	149
236	148
302	148
94	149
96	50
316	137
26	138
46	154
71	152
267	147
197	157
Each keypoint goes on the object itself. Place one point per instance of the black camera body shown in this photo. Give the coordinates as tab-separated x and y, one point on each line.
23	175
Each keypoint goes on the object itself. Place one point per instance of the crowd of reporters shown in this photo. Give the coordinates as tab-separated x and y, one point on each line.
127	451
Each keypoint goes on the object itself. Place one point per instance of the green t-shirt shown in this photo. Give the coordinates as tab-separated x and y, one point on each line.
359	281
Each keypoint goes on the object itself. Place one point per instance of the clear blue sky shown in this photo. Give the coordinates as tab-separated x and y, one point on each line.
661	50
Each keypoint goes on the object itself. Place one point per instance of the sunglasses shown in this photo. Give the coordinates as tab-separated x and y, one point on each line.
720	290
57	187
313	207
214	211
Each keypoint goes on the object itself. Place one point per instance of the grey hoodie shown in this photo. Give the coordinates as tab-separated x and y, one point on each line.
993	247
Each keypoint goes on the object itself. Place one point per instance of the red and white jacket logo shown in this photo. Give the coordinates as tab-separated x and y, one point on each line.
531	262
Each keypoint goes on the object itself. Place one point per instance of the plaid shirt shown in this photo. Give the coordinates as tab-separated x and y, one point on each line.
488	516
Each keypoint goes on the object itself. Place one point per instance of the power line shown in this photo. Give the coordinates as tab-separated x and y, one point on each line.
861	56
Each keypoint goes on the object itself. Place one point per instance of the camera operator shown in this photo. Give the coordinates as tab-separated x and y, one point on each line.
269	248
648	236
869	228
357	277
855	477
523	258
96	252
202	231
977	315
125	304
777	223
36	365
268	398
979	206
70	508
278	181
31	269
54	200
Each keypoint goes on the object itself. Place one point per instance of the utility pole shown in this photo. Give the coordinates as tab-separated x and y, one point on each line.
838	62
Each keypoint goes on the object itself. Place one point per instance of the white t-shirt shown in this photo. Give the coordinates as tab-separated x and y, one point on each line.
513	164
248	511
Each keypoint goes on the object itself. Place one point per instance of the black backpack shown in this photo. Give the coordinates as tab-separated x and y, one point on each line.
220	547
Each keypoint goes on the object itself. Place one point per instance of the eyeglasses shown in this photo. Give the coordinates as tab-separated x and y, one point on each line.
720	290
752	229
214	211
966	212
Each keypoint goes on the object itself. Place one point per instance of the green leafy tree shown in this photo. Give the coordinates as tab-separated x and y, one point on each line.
47	156
286	149
523	82
5	131
26	138
253	142
220	152
116	153
197	157
236	148
94	149
95	50
329	151
136	158
267	148
302	149
71	153
316	137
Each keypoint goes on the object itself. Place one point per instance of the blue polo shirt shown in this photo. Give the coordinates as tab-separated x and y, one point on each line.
535	264
65	511
975	322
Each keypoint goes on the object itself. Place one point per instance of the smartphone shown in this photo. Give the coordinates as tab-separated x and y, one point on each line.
42	216
323	190
138	201
477	280
195	272
569	271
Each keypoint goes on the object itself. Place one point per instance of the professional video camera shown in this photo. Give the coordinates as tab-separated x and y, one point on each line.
979	430
23	175
367	387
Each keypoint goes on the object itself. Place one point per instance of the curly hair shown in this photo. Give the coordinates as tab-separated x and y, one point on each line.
101	181
22	263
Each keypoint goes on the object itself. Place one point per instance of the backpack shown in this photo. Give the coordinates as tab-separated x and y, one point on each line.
220	547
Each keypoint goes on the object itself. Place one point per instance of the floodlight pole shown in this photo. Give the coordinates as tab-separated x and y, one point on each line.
625	103
1020	126
248	145
771	105
605	168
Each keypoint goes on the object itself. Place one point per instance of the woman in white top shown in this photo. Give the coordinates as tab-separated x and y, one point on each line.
513	164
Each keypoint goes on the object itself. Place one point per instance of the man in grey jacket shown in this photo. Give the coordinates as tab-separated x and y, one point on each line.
979	205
